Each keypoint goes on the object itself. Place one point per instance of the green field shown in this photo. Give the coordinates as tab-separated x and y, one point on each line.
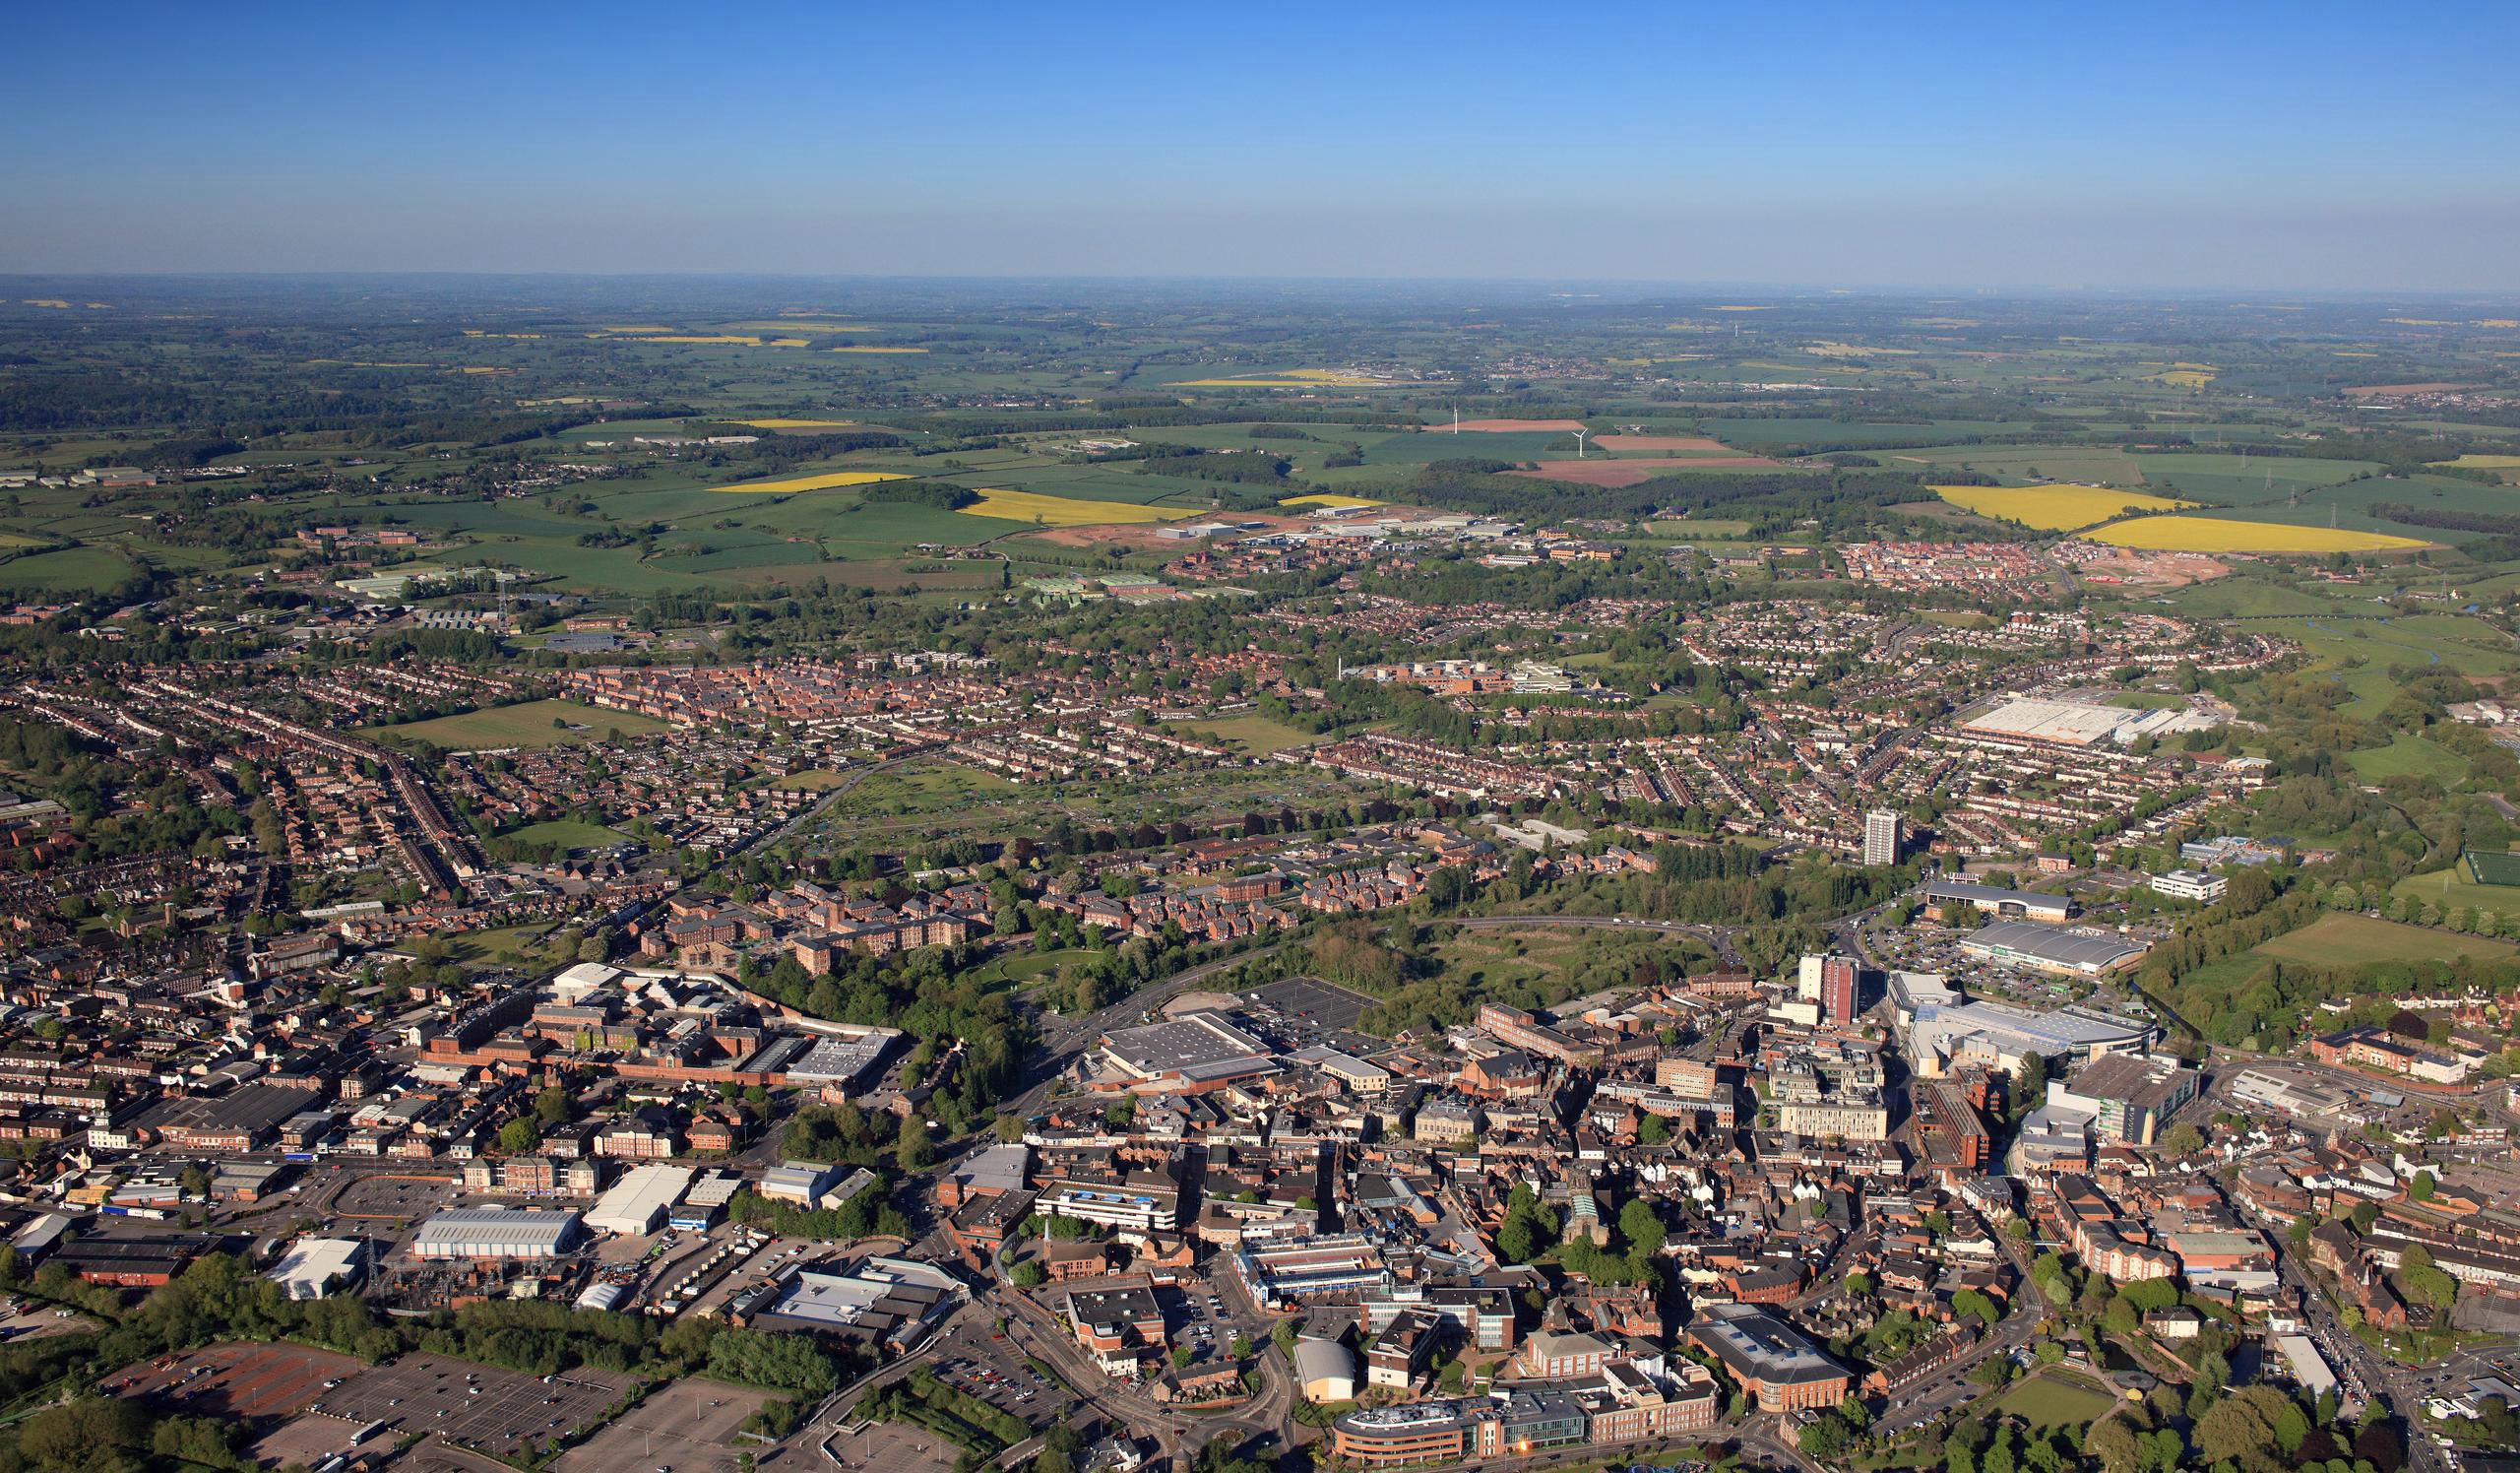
2446	890
572	833
2346	941
1759	435
2408	757
2056	1398
484	948
1254	735
72	570
2358	652
1023	969
528	723
2089	465
1424	449
2242	479
921	788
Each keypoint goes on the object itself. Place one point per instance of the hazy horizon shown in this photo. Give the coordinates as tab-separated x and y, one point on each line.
2295	147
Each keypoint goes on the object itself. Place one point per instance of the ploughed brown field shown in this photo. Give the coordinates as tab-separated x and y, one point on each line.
1609	473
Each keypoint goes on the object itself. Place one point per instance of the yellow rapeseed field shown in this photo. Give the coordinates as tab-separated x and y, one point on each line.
2052	508
1298	379
2222	534
797	325
820	481
2483	461
1067	511
798	423
2186	375
1323	498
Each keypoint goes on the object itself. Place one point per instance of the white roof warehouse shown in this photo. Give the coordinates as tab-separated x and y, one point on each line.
496	1233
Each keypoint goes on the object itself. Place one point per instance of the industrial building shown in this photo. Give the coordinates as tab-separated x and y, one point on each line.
890	1302
1941	1033
2199	885
1196	1052
2074	951
636	1204
2130	1097
2065	722
1943	897
315	1267
496	1233
705	1202
842	1057
2306	1098
814	1184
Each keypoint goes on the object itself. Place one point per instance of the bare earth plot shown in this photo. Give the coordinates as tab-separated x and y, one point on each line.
1593	473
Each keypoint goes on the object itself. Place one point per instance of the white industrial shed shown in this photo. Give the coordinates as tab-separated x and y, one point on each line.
637	1203
312	1266
496	1233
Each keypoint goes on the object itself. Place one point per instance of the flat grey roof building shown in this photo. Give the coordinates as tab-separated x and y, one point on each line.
1197	1046
2056	947
496	1233
1757	1346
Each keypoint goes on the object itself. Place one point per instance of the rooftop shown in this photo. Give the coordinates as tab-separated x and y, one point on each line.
1196	1045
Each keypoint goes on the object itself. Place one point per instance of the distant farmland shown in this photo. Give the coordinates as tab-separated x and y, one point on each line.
2221	534
2052	508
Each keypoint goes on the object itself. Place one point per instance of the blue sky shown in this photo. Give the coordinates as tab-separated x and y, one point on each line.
2299	146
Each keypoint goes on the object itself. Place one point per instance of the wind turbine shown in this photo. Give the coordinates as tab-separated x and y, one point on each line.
1579	442
1456	418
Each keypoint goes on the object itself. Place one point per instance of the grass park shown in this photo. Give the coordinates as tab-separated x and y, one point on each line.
2340	939
2447	890
2408	755
1252	734
526	724
2056	1398
568	833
